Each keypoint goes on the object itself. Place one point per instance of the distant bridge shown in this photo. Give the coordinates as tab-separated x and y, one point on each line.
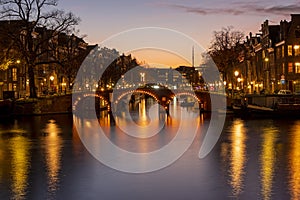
161	94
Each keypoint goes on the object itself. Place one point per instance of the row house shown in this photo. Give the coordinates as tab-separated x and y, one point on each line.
12	71
60	60
288	54
271	59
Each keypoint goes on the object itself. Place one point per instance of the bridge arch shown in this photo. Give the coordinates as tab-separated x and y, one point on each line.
141	91
188	94
80	98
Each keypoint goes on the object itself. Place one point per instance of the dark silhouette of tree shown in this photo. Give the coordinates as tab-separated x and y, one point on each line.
225	50
117	68
105	66
39	24
71	52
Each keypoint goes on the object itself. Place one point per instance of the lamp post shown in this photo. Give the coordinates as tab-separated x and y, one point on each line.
236	74
52	83
234	83
267	80
239	82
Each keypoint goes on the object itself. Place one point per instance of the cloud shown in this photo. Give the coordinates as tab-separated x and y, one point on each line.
240	8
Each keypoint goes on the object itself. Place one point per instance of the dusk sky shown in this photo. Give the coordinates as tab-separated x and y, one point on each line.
197	19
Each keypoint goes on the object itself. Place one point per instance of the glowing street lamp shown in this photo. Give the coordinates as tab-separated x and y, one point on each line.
266	59
236	73
51	78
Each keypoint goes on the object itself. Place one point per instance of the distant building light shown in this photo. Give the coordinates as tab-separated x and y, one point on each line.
296	47
156	87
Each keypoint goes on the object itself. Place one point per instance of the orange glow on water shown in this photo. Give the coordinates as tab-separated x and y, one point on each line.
294	163
53	154
19	147
267	160
238	157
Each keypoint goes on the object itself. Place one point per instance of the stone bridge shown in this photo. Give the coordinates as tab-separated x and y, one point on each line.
161	94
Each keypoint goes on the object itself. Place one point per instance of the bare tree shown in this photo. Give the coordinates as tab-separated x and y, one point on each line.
225	50
39	24
72	51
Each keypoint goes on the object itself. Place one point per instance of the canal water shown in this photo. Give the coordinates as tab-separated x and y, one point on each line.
42	157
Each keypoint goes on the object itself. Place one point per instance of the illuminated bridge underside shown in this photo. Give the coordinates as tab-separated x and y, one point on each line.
162	96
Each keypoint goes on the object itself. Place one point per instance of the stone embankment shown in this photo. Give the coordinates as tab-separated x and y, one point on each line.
45	105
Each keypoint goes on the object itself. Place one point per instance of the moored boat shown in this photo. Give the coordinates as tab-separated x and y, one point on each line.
270	105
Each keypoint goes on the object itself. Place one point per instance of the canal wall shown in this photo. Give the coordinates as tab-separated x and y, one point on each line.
269	101
46	105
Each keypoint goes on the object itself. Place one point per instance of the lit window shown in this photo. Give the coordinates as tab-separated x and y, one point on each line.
14	87
283	68
14	74
282	51
290	50
297	68
290	68
297	50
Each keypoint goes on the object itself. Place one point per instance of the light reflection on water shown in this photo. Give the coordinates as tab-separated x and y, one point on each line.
294	162
267	159
253	159
19	147
235	154
53	148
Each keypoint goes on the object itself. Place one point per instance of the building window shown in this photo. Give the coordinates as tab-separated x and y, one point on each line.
282	51
14	87
297	33
9	73
283	68
290	68
290	50
297	68
5	75
297	50
14	74
278	52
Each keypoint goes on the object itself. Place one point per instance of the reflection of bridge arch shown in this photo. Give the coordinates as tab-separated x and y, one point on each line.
80	98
